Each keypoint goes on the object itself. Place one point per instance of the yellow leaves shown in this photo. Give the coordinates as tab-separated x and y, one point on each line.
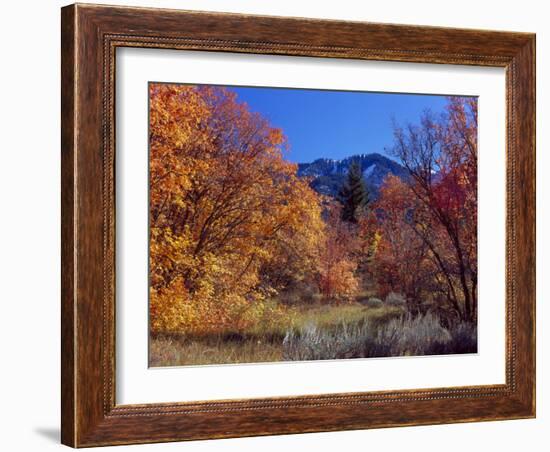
224	208
337	263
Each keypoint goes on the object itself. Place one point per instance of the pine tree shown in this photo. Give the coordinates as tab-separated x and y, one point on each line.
353	195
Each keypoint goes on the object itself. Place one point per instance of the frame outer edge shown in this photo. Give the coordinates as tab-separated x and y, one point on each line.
534	225
525	201
68	230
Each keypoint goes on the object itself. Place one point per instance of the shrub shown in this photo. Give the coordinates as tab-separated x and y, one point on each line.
409	335
406	335
463	338
395	299
374	302
299	296
314	343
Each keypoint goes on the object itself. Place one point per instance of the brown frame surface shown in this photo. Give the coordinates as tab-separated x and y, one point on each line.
90	34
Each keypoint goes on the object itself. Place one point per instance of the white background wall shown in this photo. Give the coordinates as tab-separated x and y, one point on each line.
29	226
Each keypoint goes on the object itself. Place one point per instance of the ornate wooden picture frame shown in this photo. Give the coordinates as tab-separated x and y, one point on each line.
90	37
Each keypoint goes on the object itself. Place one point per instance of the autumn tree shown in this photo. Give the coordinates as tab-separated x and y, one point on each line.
441	157
337	271
350	239
353	194
402	263
224	207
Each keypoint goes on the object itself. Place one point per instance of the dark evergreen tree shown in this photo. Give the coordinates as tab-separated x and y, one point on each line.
353	194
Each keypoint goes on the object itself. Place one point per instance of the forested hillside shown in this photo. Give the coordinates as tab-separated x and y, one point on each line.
328	175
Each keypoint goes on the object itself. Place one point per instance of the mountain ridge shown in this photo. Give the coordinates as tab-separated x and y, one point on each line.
327	175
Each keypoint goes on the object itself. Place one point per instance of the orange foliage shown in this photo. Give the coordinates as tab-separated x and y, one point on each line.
224	208
429	225
402	260
337	270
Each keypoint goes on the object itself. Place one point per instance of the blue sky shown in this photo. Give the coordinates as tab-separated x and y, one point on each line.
336	124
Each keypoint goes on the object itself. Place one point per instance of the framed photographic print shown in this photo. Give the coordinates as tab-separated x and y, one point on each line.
280	225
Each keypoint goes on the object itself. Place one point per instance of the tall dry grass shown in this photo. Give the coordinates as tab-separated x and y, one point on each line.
321	332
404	336
170	351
